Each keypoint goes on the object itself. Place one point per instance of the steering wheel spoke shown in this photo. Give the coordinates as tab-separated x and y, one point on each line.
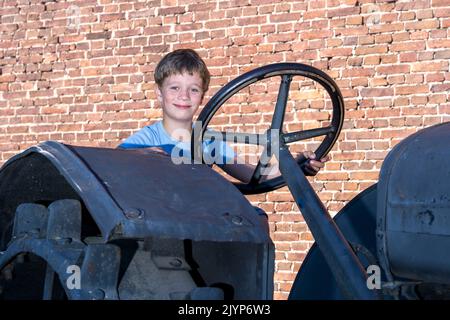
307	134
236	137
257	174
280	107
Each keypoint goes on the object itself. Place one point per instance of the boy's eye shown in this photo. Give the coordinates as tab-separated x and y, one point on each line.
173	88
195	90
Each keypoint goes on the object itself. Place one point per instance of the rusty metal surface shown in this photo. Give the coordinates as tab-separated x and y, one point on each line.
134	193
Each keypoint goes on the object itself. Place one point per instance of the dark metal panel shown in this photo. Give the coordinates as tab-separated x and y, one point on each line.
414	256
170	200
414	206
244	271
137	193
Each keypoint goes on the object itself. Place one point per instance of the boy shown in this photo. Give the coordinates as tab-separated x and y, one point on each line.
182	79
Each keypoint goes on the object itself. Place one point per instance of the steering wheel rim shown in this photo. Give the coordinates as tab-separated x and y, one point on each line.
286	71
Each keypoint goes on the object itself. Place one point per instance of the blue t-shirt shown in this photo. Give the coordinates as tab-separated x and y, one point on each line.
155	135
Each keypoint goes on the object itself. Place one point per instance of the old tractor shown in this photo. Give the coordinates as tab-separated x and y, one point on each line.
97	223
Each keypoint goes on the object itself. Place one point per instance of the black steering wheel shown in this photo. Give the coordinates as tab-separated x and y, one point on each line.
286	71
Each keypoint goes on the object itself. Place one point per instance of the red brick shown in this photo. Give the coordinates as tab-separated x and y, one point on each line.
414	78
98	35
424	24
384	28
7	78
440	88
408	57
429	66
364	50
285	236
336	52
275	18
377	92
393	69
279	197
408	46
439	43
317	34
343	12
412	89
442	12
439	3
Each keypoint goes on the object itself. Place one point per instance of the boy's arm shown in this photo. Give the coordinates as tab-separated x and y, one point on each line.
244	172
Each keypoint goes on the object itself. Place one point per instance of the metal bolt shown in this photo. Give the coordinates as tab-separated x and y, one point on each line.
237	220
20	258
97	294
134	213
176	263
34	232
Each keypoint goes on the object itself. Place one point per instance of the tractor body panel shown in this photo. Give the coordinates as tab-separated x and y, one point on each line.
413	218
133	193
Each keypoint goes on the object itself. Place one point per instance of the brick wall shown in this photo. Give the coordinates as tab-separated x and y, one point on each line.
81	72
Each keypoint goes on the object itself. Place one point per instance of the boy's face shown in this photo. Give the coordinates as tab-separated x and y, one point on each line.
180	96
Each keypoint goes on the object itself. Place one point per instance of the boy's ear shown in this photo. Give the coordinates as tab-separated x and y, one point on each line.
203	97
158	93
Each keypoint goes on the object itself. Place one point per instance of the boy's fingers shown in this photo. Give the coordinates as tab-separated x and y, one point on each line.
157	149
316	165
312	155
309	154
312	166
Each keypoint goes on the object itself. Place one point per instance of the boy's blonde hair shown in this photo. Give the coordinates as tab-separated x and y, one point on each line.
180	61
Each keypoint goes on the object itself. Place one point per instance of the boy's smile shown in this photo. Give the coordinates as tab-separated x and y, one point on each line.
182	106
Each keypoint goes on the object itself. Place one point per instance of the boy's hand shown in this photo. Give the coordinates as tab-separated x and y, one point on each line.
312	166
157	150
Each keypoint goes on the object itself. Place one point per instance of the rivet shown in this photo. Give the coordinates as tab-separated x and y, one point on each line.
134	213
97	294
176	263
237	220
20	258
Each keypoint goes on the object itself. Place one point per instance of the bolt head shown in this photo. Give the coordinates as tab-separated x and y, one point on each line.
176	263
237	220
134	213
97	294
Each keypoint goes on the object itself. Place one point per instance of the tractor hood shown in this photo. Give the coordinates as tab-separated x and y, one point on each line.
132	193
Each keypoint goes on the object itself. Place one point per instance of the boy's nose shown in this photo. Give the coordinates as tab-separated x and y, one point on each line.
183	94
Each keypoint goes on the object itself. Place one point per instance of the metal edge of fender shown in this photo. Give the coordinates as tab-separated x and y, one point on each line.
76	173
